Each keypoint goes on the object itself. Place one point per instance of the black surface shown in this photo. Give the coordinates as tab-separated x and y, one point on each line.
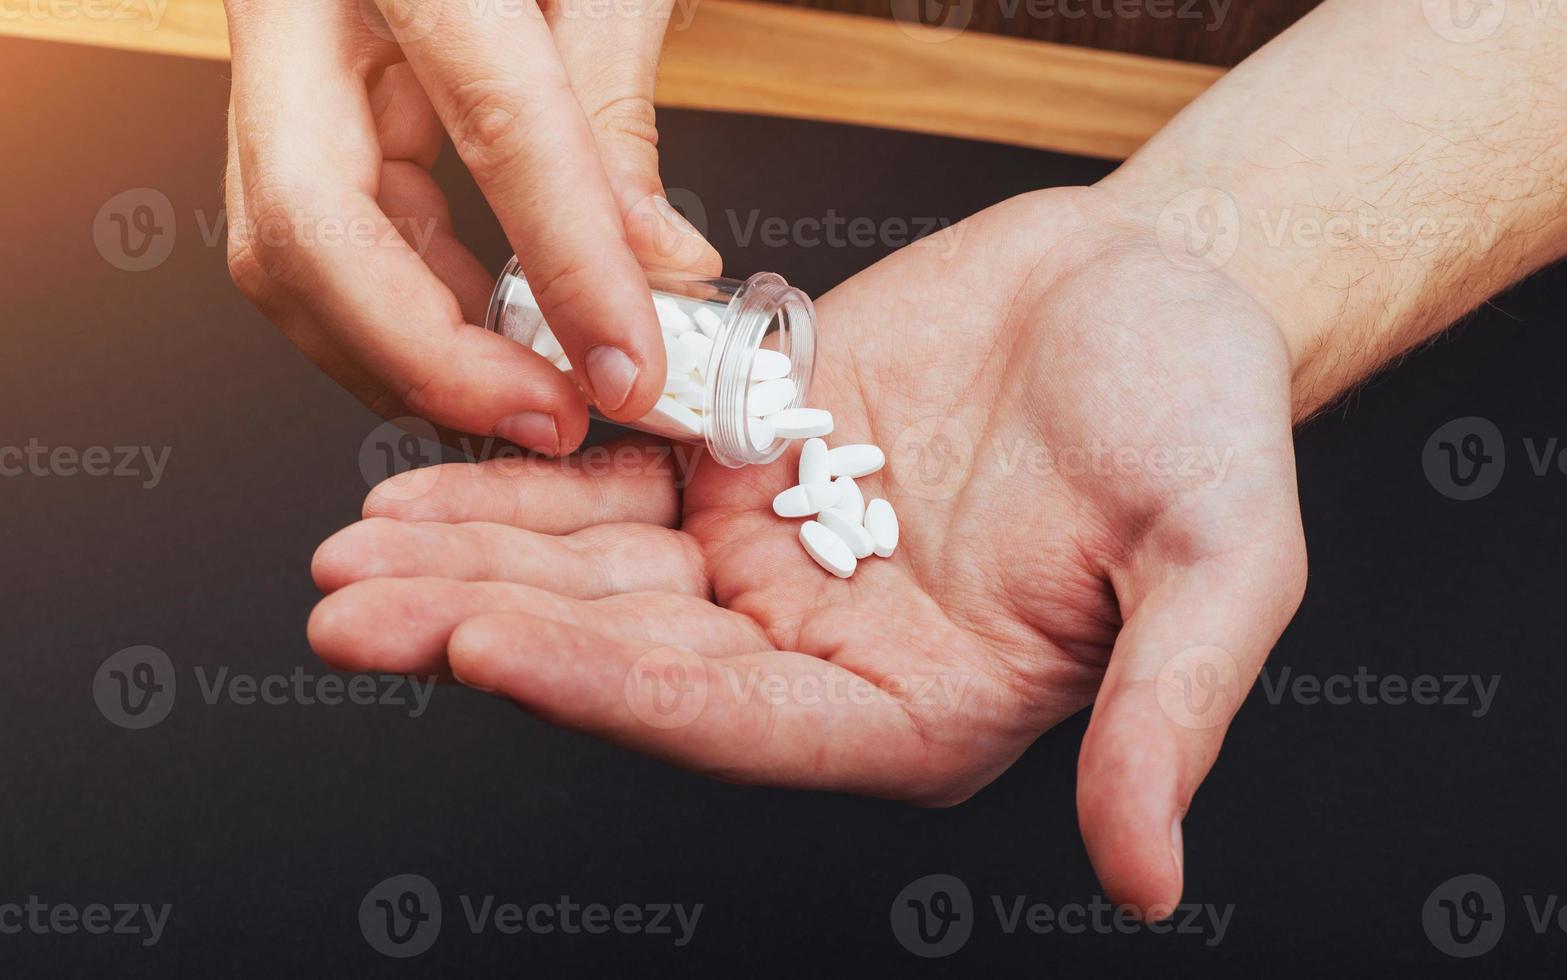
264	826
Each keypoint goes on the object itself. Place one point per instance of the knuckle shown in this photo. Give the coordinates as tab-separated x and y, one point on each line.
630	118
486	113
565	286
274	205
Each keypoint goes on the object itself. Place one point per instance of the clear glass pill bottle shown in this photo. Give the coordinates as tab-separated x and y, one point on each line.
722	338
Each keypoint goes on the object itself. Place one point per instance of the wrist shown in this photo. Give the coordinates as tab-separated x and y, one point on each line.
1348	284
1209	223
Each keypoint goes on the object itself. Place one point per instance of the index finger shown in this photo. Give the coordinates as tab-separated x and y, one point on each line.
305	166
498	85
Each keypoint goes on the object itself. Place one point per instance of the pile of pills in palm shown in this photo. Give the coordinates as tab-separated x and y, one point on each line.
846	528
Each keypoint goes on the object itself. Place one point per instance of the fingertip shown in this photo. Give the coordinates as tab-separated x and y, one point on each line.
1129	810
354	553
328	630
328	566
468	650
483	652
399	497
662	237
552	669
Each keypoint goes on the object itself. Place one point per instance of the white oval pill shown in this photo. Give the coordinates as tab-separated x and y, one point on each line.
857	538
850	500
793	502
670	316
707	321
678	384
824	495
701	348
679	359
813	461
882	523
761	432
770	364
768	397
828	549
695	399
670	414
806	499
855	460
799	423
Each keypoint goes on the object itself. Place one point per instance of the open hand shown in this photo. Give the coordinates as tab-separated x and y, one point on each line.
1090	453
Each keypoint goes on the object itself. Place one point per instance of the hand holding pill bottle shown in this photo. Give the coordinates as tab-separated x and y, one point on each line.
739	357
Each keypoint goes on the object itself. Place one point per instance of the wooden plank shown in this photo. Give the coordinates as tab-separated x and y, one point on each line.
775	60
190	28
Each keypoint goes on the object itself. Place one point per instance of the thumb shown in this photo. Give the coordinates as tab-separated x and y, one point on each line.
1190	650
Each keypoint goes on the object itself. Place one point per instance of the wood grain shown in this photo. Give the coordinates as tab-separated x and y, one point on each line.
789	61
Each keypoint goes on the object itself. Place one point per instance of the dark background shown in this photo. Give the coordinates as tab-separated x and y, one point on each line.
1325	827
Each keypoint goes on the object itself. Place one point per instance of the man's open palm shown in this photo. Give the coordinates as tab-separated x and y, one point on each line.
1090	454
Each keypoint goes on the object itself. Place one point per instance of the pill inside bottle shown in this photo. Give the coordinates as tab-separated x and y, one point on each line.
738	353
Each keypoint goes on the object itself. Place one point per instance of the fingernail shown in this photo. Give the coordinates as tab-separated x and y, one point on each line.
675	219
532	430
611	374
1177	848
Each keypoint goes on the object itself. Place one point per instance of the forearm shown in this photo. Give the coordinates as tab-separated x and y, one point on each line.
1384	179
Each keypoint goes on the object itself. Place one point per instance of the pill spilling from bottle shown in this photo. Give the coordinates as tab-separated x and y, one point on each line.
739	359
845	528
